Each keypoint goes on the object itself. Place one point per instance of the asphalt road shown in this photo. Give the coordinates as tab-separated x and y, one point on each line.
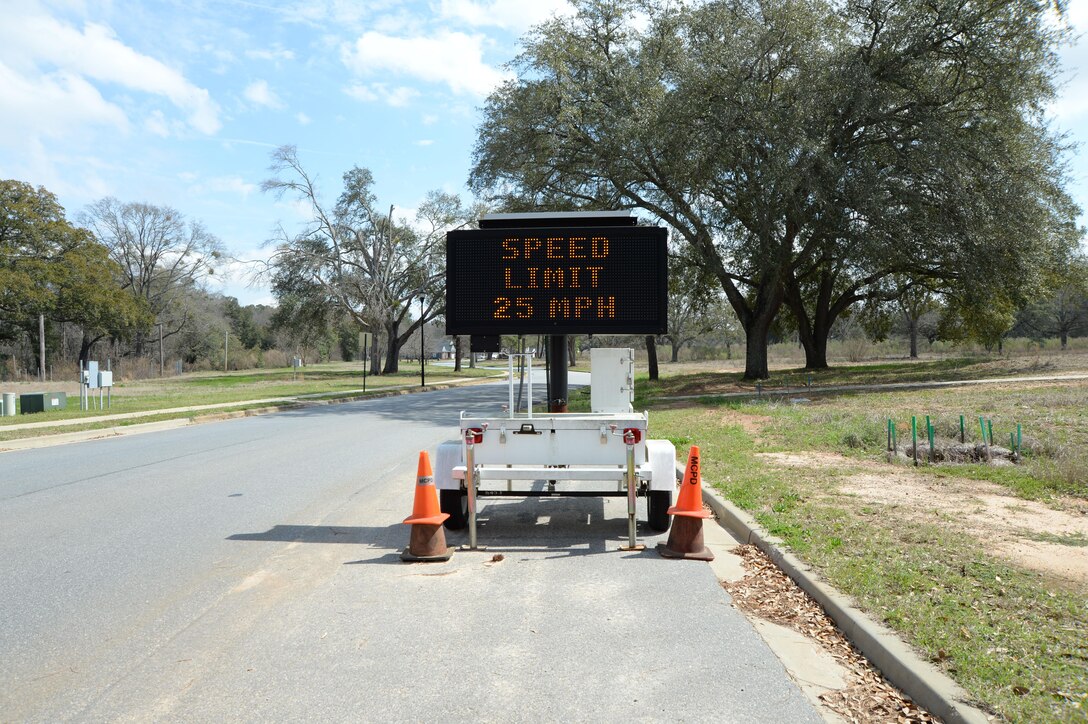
248	570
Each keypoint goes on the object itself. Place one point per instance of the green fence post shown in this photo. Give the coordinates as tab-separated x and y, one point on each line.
932	436
963	438
914	437
990	424
982	428
1019	440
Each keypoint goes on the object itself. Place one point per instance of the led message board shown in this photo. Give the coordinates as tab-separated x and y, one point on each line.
559	280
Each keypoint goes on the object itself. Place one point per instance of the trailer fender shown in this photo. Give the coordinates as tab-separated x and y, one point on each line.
661	456
446	459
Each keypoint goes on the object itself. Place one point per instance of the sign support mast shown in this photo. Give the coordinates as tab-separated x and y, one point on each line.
557	372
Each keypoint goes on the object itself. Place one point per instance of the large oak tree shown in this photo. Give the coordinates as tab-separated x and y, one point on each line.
805	150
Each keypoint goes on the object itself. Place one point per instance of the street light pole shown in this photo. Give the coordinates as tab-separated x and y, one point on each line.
422	357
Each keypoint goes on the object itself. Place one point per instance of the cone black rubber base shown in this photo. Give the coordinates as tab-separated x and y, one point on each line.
407	557
685	540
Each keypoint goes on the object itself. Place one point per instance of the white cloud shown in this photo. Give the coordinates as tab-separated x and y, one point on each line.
229	184
303	119
274	54
425	142
40	49
516	15
53	105
455	59
156	124
398	97
429	119
259	94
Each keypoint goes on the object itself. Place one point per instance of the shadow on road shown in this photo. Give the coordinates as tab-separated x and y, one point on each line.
355	535
567	526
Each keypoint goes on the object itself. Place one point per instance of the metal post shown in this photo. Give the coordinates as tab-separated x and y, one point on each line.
510	385
470	484
914	437
365	345
629	439
159	325
932	432
226	338
422	357
41	347
529	389
557	372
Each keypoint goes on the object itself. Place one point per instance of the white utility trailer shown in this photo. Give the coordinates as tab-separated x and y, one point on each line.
526	454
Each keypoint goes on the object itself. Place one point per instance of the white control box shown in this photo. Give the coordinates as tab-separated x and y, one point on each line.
612	373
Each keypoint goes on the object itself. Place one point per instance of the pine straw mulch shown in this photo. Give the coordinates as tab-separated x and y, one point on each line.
767	592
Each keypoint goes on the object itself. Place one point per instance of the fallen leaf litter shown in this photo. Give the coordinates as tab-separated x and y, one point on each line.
767	592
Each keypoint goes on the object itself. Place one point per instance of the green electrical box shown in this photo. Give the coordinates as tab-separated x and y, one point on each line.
42	401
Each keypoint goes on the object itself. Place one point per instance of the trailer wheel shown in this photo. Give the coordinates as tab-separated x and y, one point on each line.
454	502
658	503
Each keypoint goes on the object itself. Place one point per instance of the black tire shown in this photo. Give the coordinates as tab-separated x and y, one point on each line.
658	503
454	502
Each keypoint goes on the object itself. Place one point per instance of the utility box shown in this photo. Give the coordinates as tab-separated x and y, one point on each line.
92	375
612	379
105	378
42	402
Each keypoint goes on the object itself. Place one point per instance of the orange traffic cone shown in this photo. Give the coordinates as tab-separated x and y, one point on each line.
428	540
686	533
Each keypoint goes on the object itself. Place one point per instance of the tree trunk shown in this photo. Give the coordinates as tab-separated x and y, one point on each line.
912	327
571	357
816	352
392	354
456	354
1064	336
675	352
755	353
86	343
651	356
813	331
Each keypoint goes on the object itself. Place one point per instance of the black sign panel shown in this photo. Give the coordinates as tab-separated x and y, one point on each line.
570	280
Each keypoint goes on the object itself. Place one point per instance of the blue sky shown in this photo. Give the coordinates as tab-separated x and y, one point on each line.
180	103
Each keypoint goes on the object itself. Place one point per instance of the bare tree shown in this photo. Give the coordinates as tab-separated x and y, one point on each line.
161	256
360	259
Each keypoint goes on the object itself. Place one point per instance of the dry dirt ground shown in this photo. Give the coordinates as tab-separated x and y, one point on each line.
1051	538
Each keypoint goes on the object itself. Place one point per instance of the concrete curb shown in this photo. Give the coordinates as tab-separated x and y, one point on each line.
41	441
920	680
